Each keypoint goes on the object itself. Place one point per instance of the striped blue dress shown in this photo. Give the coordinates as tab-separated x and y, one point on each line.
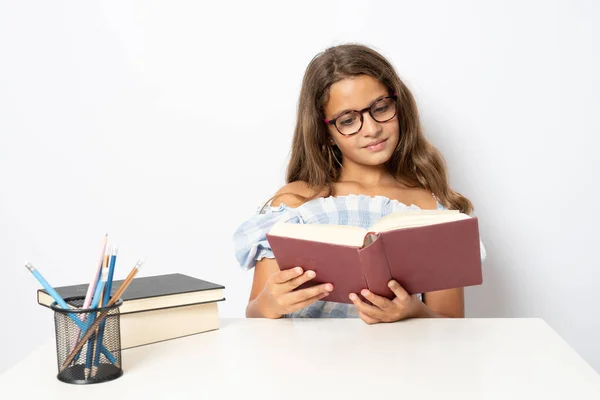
251	245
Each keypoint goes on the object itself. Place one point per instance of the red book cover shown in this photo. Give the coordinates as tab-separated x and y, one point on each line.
422	259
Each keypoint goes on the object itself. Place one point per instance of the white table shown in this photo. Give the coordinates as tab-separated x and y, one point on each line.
334	359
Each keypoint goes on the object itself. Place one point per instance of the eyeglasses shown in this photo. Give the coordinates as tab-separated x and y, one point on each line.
351	122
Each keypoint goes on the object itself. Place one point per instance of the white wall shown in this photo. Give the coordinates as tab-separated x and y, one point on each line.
151	121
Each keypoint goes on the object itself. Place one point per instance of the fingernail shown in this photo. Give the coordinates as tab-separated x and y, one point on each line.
392	284
328	287
298	270
352	296
364	292
311	274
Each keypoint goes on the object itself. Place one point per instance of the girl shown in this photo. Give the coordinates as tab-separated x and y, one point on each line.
358	154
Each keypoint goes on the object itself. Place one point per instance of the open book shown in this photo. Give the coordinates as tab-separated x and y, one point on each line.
424	250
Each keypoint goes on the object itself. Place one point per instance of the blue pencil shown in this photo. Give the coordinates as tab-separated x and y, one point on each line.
62	304
111	272
92	318
105	299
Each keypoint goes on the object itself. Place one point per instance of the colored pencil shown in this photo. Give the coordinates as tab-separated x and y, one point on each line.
62	304
91	288
103	314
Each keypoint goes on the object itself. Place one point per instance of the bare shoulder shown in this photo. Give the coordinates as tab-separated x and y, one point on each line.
293	194
423	198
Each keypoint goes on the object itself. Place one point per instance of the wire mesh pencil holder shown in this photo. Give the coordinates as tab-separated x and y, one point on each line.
88	342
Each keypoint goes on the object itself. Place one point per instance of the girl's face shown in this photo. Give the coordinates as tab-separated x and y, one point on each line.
375	142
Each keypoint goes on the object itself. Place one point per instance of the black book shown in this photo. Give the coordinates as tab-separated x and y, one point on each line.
149	292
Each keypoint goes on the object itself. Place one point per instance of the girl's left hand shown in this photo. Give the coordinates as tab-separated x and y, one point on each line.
384	310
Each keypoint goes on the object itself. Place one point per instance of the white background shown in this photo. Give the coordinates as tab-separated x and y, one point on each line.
167	123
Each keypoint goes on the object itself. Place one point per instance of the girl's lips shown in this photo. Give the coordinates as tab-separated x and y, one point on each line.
376	146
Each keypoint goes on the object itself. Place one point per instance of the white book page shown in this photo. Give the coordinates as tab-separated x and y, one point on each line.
334	234
414	218
355	236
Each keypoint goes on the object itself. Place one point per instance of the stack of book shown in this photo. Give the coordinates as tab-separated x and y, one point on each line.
158	308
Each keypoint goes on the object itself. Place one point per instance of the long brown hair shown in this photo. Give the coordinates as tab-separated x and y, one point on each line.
415	162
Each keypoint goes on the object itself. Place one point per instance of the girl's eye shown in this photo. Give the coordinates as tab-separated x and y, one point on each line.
380	110
347	121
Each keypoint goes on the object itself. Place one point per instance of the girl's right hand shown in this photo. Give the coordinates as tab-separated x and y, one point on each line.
278	298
